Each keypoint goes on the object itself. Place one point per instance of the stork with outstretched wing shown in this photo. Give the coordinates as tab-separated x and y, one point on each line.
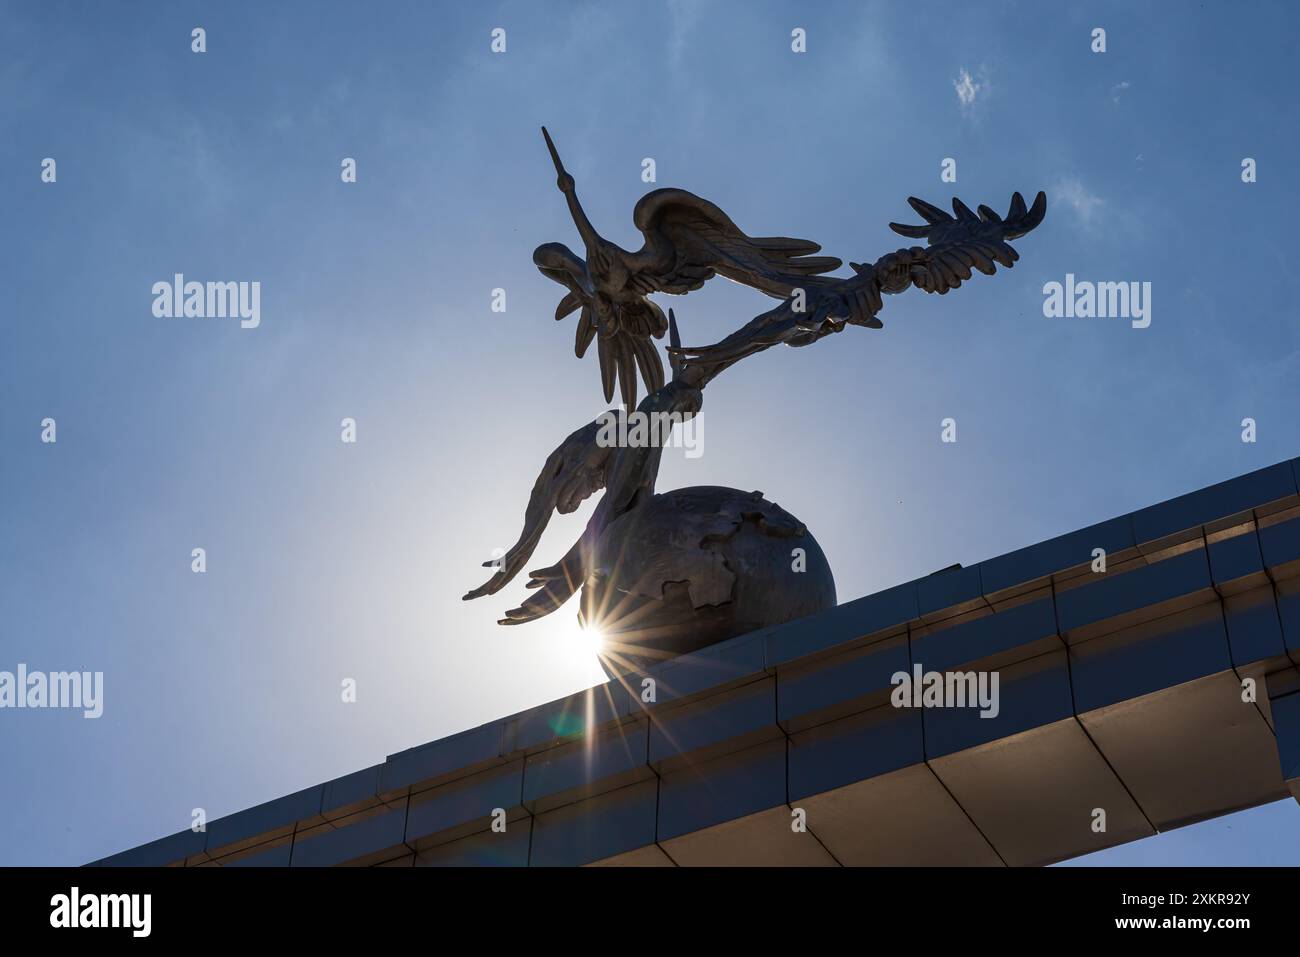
688	240
956	245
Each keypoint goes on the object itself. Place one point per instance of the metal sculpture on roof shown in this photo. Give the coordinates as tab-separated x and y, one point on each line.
666	573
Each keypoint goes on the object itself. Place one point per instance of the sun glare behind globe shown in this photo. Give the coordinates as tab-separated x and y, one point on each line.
583	647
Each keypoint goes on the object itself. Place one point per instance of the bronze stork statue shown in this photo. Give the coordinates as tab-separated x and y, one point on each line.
666	573
687	241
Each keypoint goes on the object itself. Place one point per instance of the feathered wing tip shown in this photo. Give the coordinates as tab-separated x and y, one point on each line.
655	322
570	302
966	240
795	255
649	364
586	332
1026	221
626	371
608	366
622	358
1019	219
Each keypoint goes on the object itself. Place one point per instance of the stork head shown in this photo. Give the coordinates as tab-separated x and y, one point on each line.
590	238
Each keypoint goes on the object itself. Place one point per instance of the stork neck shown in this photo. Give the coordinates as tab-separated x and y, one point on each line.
590	238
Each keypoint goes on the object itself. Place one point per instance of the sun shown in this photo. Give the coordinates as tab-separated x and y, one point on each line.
583	647
591	640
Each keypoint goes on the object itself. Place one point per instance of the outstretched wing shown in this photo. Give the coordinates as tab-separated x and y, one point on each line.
965	241
688	240
572	473
556	585
957	244
558	263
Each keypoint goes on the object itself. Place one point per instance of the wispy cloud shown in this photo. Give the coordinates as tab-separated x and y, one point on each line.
1118	89
967	89
1084	204
973	89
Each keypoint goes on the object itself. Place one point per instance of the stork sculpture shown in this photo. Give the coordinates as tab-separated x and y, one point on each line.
666	573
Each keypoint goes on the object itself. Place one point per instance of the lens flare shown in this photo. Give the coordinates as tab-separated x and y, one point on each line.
583	647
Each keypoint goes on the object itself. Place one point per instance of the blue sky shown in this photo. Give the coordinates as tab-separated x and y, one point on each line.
329	561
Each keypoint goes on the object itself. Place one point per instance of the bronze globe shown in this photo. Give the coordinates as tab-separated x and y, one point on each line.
695	566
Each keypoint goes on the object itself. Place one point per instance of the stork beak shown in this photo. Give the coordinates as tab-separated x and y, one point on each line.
555	156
